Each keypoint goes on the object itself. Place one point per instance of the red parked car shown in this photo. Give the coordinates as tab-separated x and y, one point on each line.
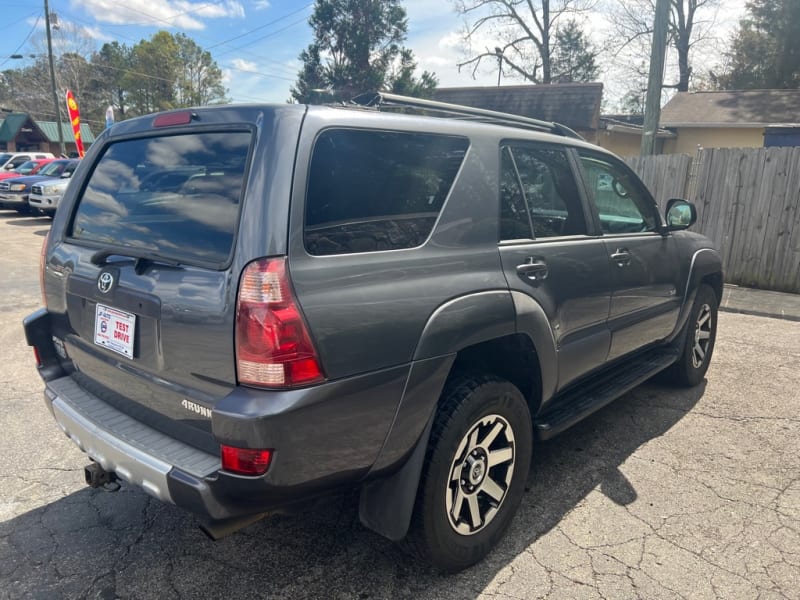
30	167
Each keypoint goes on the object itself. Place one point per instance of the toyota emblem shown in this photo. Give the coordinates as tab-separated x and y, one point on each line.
105	282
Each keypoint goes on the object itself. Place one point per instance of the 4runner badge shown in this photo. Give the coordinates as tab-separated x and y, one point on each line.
196	408
105	282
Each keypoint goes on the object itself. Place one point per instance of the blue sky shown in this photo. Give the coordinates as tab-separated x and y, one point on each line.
255	42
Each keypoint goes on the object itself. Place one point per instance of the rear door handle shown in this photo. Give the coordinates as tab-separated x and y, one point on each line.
621	256
535	269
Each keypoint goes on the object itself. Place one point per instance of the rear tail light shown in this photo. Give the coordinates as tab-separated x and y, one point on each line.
37	356
273	347
245	461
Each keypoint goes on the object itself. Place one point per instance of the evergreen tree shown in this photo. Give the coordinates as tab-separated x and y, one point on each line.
573	56
765	52
357	47
199	77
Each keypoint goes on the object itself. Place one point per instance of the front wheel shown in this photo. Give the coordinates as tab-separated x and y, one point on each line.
701	334
476	466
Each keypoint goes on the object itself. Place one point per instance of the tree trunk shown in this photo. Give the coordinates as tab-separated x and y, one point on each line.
684	70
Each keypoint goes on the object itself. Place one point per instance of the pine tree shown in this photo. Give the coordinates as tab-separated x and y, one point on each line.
573	57
357	47
765	52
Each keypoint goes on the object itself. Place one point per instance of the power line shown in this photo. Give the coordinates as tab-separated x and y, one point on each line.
27	37
287	70
272	33
260	27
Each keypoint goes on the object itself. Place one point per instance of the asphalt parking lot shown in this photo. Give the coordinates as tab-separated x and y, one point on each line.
664	494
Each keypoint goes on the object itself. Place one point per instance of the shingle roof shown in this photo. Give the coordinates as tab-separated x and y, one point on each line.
49	130
748	108
576	105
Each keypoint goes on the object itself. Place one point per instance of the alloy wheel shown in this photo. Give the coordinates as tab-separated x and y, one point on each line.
702	336
480	474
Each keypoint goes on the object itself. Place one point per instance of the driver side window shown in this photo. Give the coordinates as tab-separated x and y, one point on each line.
622	204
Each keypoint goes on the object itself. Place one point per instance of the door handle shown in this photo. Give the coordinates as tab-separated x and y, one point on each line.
534	269
621	256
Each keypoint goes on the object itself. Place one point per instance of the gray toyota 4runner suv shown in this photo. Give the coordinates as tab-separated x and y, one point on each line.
248	307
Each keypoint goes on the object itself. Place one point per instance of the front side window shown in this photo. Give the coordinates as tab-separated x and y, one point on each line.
377	190
172	196
542	178
623	205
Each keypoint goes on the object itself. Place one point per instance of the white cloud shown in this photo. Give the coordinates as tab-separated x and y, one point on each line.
244	65
179	14
454	39
96	34
261	4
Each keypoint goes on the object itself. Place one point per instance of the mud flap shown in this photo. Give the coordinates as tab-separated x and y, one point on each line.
386	505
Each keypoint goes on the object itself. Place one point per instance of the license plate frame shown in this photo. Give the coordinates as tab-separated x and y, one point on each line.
114	329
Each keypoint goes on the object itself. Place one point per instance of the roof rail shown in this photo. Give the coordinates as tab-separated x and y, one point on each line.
380	100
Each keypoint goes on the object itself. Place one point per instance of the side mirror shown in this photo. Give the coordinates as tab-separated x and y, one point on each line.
680	214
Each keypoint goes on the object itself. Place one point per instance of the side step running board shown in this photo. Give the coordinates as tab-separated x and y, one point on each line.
582	401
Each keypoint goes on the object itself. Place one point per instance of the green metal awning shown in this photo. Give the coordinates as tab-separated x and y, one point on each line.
49	130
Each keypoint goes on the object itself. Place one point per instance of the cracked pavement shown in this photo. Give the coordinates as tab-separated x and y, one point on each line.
666	493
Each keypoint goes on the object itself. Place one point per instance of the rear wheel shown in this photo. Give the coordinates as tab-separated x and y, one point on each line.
701	334
474	477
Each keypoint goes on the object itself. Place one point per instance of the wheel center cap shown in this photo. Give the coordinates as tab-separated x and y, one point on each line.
477	471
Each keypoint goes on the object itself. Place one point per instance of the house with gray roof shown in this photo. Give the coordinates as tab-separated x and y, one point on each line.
576	105
727	119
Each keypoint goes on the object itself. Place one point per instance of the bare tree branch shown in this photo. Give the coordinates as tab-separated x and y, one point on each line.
523	29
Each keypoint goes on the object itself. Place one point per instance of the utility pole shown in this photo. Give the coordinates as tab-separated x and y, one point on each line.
56	104
652	109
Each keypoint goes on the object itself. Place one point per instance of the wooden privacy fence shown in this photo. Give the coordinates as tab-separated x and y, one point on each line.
748	202
666	175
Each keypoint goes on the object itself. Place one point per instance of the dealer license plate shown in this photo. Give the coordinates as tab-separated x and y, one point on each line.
114	329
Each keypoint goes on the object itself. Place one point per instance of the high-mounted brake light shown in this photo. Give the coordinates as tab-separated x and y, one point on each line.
175	118
273	346
245	461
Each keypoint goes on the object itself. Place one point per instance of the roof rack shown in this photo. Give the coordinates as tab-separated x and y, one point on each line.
380	100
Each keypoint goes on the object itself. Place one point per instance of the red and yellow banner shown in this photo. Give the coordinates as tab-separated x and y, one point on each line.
75	121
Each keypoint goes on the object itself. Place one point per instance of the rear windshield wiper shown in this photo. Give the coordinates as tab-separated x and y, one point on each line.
142	259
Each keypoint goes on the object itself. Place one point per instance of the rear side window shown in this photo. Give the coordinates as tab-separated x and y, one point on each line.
175	196
377	190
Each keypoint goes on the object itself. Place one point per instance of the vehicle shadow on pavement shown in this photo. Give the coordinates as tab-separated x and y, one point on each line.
100	545
28	220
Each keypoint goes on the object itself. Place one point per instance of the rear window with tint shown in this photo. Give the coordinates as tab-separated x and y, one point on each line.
173	196
377	190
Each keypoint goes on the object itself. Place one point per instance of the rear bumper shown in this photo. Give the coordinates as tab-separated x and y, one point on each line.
324	438
131	463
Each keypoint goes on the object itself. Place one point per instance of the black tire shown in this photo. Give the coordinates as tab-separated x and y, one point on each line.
471	406
691	366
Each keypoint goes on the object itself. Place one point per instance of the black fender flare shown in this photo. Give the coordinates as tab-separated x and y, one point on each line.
533	322
387	498
705	262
